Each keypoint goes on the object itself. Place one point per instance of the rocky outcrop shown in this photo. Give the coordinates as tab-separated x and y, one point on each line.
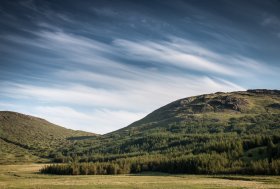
220	102
228	102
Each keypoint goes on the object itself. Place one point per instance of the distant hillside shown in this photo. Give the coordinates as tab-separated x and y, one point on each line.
27	138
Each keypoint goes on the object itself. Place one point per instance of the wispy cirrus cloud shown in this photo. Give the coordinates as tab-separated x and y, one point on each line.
190	56
103	83
169	53
98	120
173	52
106	110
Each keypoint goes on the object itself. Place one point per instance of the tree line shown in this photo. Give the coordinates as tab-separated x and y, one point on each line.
192	164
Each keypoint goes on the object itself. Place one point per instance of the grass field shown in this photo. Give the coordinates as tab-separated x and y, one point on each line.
27	176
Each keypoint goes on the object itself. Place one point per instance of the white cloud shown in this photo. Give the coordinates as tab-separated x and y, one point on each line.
107	110
176	52
100	94
143	91
189	56
99	121
169	53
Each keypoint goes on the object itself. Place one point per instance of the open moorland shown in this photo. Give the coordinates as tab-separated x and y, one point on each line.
27	176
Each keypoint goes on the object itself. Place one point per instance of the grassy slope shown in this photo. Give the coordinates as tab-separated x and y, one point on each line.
11	153
251	103
181	125
24	137
199	108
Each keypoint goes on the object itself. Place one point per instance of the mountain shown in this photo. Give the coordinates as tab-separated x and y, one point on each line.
26	138
240	129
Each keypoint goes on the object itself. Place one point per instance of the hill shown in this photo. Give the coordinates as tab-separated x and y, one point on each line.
246	113
218	108
210	133
236	132
26	138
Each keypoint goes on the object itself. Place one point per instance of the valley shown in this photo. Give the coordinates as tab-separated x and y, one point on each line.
27	177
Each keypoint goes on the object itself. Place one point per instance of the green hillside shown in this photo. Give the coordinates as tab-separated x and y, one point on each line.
247	115
237	132
214	108
25	138
212	133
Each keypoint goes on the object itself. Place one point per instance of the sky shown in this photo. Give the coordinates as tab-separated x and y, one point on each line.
98	65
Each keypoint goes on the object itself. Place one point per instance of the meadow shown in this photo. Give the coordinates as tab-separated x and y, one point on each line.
28	177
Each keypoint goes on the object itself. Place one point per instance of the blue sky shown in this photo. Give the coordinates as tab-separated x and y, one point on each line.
100	65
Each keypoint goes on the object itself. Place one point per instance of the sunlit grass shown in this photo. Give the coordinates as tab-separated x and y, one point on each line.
27	177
